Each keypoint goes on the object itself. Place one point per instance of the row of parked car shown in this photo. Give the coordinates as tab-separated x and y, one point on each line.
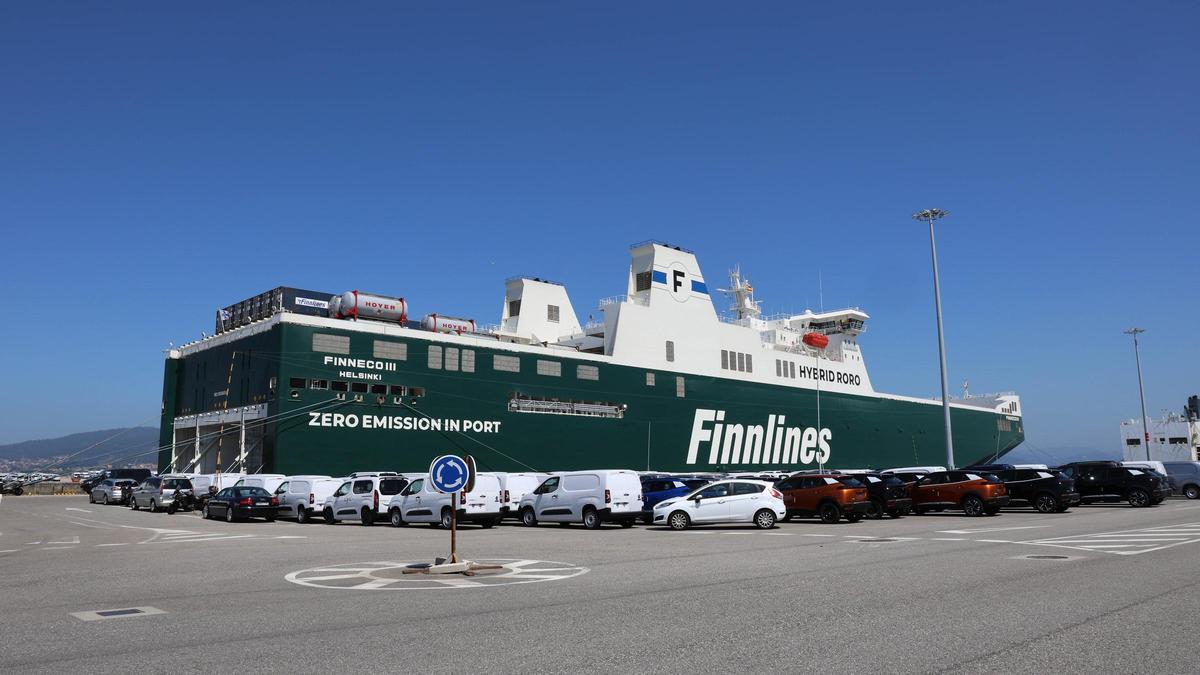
592	498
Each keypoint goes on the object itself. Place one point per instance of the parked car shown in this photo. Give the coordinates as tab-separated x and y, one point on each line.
977	494
301	497
887	493
1184	478
236	503
112	491
136	475
660	488
1105	481
267	481
419	502
514	486
364	497
827	496
588	497
207	484
159	492
1046	490
725	501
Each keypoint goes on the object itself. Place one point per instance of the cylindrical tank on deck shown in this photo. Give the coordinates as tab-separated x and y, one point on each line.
366	306
447	324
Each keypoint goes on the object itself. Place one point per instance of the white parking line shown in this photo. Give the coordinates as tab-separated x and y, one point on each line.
1133	541
805	534
947	539
121	544
993	529
994	541
55	548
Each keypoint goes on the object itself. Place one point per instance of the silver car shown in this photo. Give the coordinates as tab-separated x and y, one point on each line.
112	491
157	493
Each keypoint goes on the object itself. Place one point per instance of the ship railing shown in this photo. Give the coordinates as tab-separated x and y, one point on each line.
619	299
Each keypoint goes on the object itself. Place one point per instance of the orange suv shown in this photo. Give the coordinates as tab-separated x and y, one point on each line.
827	496
976	493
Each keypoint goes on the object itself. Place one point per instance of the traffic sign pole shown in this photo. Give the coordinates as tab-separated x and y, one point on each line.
454	528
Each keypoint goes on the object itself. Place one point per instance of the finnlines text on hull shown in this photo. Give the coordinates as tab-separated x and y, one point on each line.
756	444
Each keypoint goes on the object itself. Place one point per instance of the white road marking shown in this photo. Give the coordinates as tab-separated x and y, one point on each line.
121	544
33	543
817	535
947	539
778	534
1134	542
72	540
10	550
995	541
292	536
993	529
72	508
55	548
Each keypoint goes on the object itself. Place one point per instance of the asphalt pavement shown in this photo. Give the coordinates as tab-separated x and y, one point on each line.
935	593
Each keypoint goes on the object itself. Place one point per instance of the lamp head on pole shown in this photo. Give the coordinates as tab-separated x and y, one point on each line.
1135	331
930	215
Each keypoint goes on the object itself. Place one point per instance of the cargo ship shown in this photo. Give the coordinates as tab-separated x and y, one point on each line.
295	381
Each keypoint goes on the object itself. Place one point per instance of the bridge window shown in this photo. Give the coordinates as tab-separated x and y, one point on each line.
641	282
552	313
670	350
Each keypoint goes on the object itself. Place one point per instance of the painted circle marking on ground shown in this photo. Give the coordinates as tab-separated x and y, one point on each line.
388	575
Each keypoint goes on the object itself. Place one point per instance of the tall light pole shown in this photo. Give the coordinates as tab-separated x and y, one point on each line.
931	215
1137	355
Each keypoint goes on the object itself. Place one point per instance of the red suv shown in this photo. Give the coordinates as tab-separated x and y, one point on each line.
977	494
827	496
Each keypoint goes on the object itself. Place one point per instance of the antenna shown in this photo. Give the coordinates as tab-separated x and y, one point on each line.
966	389
744	305
820	292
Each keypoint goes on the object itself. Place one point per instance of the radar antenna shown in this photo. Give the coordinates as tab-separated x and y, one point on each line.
966	389
744	305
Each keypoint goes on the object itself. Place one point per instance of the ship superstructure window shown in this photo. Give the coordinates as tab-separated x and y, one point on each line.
379	389
333	344
514	307
1133	441
792	369
339	385
724	359
552	313
318	384
396	351
587	372
551	368
741	362
679	390
670	350
1177	440
785	368
397	390
509	364
649	379
451	358
468	360
641	281
435	357
358	387
297	383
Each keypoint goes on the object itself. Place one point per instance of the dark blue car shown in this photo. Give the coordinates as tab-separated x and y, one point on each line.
655	490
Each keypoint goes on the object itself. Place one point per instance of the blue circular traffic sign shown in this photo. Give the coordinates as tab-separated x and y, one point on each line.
449	473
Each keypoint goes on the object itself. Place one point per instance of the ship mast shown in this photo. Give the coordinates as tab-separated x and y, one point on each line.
744	305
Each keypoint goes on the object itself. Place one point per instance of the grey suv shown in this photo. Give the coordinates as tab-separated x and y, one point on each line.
158	493
1184	478
112	491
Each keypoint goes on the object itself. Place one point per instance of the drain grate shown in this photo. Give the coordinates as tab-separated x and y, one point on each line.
100	614
118	612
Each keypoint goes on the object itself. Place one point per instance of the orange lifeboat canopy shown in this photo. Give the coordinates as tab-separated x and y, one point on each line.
816	340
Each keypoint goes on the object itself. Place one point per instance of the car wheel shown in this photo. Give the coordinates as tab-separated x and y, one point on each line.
972	506
229	514
527	518
787	518
679	520
301	514
626	523
91	498
896	513
487	524
1192	492
853	517
1157	500
917	511
204	512
1062	508
764	519
395	518
105	499
1139	498
829	513
328	513
366	517
153	506
1046	503
446	518
172	508
877	510
591	519
269	519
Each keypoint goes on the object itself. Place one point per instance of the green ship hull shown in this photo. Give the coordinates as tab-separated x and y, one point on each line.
602	416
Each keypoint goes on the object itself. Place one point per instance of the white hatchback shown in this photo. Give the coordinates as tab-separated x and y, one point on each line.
726	501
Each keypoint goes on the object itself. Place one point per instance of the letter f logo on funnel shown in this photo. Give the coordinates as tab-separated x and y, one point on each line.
677	282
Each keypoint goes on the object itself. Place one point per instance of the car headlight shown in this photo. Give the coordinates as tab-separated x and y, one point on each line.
663	505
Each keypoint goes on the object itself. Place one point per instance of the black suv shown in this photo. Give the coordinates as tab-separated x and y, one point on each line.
1111	482
1046	490
888	494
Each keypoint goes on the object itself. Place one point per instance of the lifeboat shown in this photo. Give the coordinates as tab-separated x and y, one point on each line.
815	340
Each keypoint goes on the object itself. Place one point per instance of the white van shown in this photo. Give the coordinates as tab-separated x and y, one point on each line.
513	487
363	497
205	483
588	497
266	481
420	503
301	497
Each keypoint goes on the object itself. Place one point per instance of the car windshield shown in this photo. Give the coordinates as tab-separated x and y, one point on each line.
177	484
251	492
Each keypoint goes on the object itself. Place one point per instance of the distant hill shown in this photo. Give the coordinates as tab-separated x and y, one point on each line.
121	443
1026	454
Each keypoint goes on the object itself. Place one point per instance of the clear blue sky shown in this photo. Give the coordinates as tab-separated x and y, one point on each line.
159	160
